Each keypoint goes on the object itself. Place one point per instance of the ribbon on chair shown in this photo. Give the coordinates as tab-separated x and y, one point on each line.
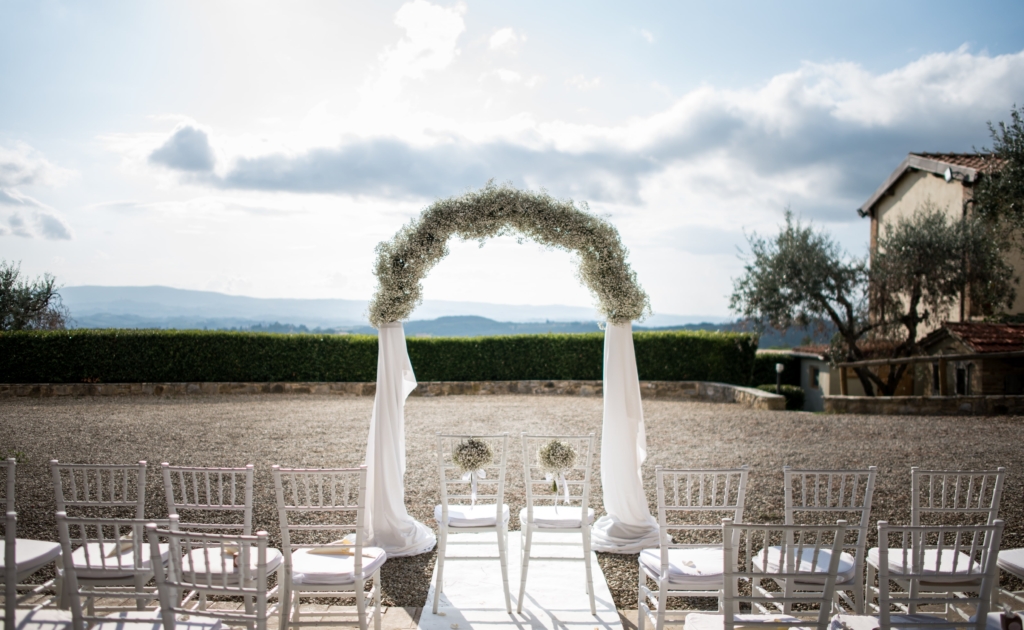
471	477
561	486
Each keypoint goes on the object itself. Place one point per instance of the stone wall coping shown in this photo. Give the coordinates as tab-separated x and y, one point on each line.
663	390
926	405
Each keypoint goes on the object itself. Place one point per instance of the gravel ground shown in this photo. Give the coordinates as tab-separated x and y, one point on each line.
329	431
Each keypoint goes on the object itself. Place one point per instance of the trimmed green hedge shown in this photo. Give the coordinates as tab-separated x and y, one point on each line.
132	356
794	395
764	368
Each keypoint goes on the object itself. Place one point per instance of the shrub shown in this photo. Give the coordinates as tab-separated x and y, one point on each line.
126	356
794	395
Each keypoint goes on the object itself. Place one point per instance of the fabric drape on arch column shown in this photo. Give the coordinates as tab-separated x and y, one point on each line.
628	527
388	525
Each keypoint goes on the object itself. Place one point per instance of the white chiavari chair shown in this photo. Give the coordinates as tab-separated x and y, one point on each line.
215	565
804	552
24	557
815	495
110	492
109	558
926	562
557	503
322	504
945	497
691	505
223	496
472	502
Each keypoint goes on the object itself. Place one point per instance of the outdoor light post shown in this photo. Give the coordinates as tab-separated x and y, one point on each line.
778	377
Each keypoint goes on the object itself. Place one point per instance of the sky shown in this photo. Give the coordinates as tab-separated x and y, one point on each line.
264	149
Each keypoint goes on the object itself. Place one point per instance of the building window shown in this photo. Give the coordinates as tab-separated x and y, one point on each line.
935	379
812	376
961	379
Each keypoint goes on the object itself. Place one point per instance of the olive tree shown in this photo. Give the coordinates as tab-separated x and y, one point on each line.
922	266
28	305
802	276
999	193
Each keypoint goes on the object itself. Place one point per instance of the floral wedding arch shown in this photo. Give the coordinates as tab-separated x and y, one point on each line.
401	265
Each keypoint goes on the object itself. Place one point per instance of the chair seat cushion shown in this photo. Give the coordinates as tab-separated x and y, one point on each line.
870	622
846	572
103	563
698	567
197	559
964	565
318	568
481	515
1009	560
31	555
711	621
554	516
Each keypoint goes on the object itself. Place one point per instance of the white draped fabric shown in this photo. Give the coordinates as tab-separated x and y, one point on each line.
629	526
388	524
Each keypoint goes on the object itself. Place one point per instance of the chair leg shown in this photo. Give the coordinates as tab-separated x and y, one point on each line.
502	532
376	600
662	602
284	595
526	567
586	564
640	603
296	605
140	587
361	604
442	544
869	593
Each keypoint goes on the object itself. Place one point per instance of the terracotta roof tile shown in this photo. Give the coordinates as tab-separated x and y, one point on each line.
985	337
978	161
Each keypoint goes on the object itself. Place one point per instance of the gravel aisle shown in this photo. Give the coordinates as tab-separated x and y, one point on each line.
330	431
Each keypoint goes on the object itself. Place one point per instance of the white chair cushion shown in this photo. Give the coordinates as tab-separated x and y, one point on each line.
102	566
847	565
963	564
1009	560
319	568
481	515
711	621
197	559
31	555
42	619
699	567
554	516
870	622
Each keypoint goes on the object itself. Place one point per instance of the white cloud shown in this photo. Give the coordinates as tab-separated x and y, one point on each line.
42	223
583	83
21	165
647	35
504	75
505	39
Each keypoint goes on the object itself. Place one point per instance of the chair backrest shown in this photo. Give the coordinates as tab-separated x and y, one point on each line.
753	553
334	497
693	502
457	487
232	574
811	495
106	486
8	469
546	487
961	556
945	493
106	542
212	490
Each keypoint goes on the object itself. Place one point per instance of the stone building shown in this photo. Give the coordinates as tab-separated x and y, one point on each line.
944	181
983	368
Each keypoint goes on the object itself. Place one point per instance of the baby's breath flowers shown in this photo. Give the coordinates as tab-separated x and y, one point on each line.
557	456
504	210
472	454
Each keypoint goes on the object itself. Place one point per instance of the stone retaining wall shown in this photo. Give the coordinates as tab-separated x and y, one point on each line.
658	390
926	405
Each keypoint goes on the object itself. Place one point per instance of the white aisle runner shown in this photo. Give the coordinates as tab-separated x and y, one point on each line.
556	595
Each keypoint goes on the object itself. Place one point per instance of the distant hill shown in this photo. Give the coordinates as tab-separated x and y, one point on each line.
165	307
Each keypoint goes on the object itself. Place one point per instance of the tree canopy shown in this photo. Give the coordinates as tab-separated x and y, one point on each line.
999	194
34	305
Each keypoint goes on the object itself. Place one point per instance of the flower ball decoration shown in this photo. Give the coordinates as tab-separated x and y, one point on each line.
504	210
472	454
557	456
